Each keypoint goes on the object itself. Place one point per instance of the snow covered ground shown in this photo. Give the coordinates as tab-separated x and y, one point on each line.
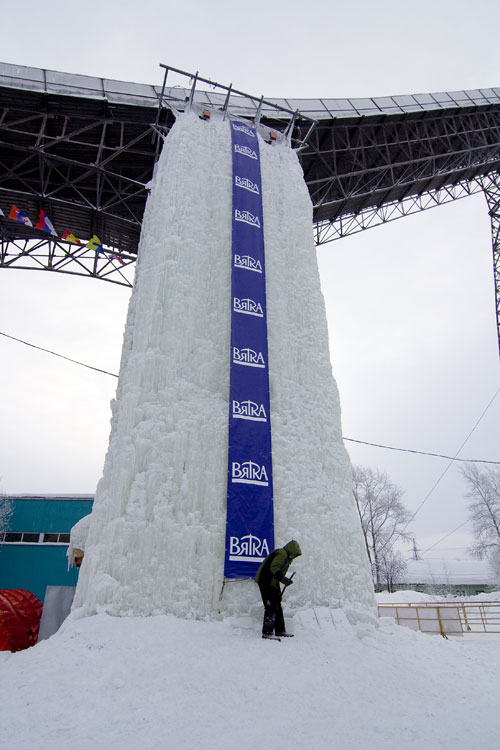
160	682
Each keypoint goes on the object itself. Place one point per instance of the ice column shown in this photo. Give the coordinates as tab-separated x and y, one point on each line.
157	530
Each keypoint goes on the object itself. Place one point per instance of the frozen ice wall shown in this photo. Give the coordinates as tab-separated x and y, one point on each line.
156	538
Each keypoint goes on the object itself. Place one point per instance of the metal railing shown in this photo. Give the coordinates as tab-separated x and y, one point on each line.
230	100
445	618
480	617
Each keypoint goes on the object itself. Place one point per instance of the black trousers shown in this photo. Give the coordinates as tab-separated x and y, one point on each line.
274	621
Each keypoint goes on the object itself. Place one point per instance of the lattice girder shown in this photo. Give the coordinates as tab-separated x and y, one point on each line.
87	160
491	187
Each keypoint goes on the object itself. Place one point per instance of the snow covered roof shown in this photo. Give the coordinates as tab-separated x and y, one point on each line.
62	496
147	95
452	572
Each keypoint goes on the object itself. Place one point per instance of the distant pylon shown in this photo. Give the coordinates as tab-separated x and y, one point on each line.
415	551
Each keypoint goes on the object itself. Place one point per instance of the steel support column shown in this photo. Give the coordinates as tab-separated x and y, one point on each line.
491	187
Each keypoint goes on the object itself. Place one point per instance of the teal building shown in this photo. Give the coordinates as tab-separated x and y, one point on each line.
34	540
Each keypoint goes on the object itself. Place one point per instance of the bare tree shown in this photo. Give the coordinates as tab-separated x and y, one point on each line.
383	519
484	511
494	560
393	568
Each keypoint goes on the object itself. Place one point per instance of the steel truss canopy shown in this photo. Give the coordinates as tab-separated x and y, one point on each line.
83	149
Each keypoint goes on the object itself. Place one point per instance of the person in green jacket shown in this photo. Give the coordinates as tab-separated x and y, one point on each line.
270	575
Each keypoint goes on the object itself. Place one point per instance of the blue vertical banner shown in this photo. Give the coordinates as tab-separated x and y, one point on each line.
250	524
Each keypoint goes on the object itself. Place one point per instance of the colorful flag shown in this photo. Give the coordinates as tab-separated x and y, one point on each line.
117	257
45	224
95	244
20	216
70	238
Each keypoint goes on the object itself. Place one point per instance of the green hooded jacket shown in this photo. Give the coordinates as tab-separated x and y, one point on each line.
273	569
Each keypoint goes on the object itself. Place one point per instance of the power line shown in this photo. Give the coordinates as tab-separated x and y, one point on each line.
446	537
452	461
422	453
448	549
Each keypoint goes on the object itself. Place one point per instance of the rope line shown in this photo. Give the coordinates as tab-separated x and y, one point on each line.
75	361
350	440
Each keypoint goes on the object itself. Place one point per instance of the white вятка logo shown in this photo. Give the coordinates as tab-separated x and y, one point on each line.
245	151
247	263
243	129
248	548
248	357
249	410
247	218
244	182
248	472
248	307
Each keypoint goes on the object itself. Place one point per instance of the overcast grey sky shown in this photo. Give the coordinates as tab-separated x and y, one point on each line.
410	305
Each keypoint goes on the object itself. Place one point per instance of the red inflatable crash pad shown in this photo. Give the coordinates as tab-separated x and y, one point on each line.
20	613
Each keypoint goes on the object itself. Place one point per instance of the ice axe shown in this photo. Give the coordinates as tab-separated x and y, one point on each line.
284	587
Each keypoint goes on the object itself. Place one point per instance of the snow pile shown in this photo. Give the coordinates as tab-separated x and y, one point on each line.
156	539
405	596
491	596
160	682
